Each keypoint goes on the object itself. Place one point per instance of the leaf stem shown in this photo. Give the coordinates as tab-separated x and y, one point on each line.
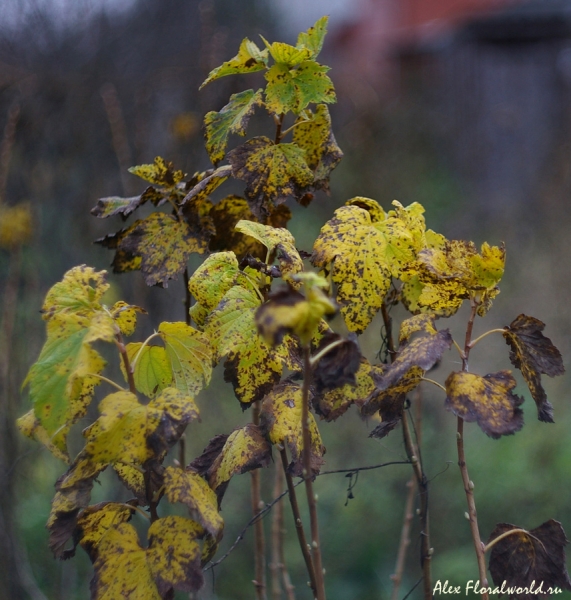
298	522
434	383
279	123
504	535
468	485
474	342
257	505
187	297
128	369
145	343
308	476
317	357
115	385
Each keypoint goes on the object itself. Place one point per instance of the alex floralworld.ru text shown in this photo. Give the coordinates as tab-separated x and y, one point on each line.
473	586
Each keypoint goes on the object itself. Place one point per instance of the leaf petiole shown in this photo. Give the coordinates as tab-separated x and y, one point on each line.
434	383
145	343
109	381
474	342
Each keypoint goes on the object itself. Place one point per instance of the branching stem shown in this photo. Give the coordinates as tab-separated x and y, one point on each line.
468	485
128	369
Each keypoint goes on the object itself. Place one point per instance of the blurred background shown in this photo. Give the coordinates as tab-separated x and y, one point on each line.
461	105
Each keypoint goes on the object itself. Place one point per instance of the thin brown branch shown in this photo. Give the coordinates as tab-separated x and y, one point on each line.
126	363
404	537
468	485
277	539
187	297
298	522
7	145
259	543
308	475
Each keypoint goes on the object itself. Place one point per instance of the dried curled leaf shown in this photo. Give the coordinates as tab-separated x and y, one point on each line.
114	205
248	60
272	172
339	362
533	354
280	420
193	491
487	400
245	449
161	172
208	182
529	564
232	118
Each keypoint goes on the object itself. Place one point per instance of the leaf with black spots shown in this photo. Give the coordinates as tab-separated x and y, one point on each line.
333	403
487	400
529	564
248	60
312	39
161	172
245	449
272	172
209	182
125	316
193	491
322	153
202	463
233	118
339	362
114	205
280	420
533	354
415	324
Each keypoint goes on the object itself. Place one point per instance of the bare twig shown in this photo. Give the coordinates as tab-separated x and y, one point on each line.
468	485
257	506
126	363
277	539
404	537
7	145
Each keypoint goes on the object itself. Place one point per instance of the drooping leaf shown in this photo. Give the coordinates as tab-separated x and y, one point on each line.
340	360
333	403
121	568
16	225
487	400
272	172
423	352
96	520
233	118
161	172
245	449
365	255
30	426
152	369
533	354
209	182
280	420
248	60
530	564
114	205
193	491
125	316
174	554
190	356
253	366
123	432
417	323
163	245
312	39
322	153
293	89
288	311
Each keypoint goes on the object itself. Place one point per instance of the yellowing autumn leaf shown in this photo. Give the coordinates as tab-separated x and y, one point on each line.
280	420
245	449
248	60
365	255
115	205
534	354
15	225
197	197
160	172
30	426
312	39
253	366
232	118
193	491
272	172
487	400
417	323
125	316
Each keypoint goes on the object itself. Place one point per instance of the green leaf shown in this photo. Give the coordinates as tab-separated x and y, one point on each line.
163	244
322	153
248	60
160	172
285	54
152	372
280	420
272	172
190	356
313	38
233	118
534	354
292	90
487	400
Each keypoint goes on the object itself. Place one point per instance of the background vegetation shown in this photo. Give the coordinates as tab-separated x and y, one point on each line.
81	102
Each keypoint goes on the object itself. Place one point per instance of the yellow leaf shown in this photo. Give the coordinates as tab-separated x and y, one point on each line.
30	426
280	420
192	490
245	449
125	316
487	400
418	323
160	172
15	225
